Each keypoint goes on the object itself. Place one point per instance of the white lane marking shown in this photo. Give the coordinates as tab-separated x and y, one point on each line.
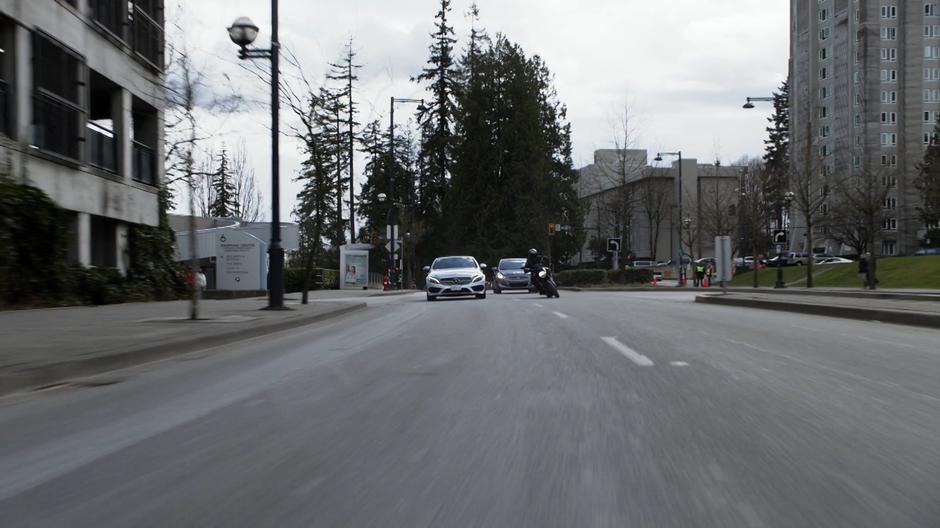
742	343
537	305
561	315
628	352
678	363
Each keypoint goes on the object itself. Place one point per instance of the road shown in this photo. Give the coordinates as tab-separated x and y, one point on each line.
593	410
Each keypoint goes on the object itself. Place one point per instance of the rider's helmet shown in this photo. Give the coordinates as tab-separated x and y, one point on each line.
533	251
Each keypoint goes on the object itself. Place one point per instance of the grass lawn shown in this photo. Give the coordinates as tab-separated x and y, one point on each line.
893	272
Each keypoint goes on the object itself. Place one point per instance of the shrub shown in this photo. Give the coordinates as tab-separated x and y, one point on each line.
320	279
630	276
98	285
584	277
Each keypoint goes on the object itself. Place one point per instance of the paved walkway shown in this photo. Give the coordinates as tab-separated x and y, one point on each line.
48	345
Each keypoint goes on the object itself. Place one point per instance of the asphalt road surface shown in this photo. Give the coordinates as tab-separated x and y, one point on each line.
595	409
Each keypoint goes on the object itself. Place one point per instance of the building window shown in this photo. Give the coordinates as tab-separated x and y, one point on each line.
58	112
858	119
889	96
891	54
932	74
824	151
931	117
110	15
857	77
889	224
889	76
891	203
823	53
931	31
823	14
889	248
889	33
147	28
889	160
7	79
930	9
932	95
889	118
824	92
823	112
889	11
932	52
823	72
825	33
858	141
889	139
858	99
856	161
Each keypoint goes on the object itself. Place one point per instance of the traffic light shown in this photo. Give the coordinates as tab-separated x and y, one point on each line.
551	229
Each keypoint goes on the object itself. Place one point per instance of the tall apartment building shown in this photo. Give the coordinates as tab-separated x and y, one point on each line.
81	113
865	96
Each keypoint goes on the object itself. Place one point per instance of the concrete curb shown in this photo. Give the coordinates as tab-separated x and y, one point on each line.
59	372
888	295
909	318
624	289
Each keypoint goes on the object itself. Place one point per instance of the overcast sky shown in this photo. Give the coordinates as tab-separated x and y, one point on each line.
683	67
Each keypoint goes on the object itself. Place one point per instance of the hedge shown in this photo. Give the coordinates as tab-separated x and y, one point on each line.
592	277
320	279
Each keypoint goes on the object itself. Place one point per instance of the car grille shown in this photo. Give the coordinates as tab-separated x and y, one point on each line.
451	281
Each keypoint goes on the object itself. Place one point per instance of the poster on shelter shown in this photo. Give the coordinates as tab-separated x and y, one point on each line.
356	272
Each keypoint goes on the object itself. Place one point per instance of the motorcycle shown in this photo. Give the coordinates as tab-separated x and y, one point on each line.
544	281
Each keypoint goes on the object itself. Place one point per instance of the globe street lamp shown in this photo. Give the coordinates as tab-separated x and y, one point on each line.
243	33
681	269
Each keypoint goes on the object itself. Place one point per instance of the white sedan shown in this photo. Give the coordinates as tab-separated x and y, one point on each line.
834	260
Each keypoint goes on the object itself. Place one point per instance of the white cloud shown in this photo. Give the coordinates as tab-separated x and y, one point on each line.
685	66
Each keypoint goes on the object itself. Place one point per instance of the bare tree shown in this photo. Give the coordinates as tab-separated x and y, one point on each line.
654	195
248	198
755	211
809	183
858	210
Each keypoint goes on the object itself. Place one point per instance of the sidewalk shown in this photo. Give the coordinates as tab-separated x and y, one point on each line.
915	308
42	347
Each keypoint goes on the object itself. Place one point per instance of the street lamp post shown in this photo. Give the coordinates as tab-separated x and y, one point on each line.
681	269
243	33
785	219
392	212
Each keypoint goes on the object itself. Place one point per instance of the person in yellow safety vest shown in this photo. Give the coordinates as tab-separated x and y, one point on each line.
699	273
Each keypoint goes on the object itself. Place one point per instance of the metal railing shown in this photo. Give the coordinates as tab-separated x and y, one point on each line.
144	164
102	147
148	38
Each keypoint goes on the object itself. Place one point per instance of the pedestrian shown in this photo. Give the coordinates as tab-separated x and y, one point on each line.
699	273
709	273
863	270
201	283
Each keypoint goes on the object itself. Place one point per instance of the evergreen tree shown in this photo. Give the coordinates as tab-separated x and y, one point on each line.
224	202
436	121
345	72
928	180
513	170
777	147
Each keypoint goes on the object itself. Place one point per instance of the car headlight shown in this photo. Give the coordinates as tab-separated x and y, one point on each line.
500	276
478	278
432	280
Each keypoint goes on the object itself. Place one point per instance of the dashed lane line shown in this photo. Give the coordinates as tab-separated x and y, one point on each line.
560	315
628	352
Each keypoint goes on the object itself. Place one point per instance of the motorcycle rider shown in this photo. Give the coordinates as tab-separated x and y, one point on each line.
533	263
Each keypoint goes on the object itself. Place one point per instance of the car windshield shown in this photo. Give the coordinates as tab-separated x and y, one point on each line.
454	263
511	264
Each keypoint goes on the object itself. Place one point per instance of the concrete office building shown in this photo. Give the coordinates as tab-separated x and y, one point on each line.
81	113
626	197
865	96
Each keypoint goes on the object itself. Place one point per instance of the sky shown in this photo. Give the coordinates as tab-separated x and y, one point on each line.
681	68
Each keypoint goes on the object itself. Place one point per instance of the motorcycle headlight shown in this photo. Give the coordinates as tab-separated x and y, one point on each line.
478	278
543	274
432	280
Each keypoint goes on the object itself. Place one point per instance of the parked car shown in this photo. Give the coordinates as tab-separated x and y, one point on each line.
924	252
509	275
834	260
789	259
454	277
